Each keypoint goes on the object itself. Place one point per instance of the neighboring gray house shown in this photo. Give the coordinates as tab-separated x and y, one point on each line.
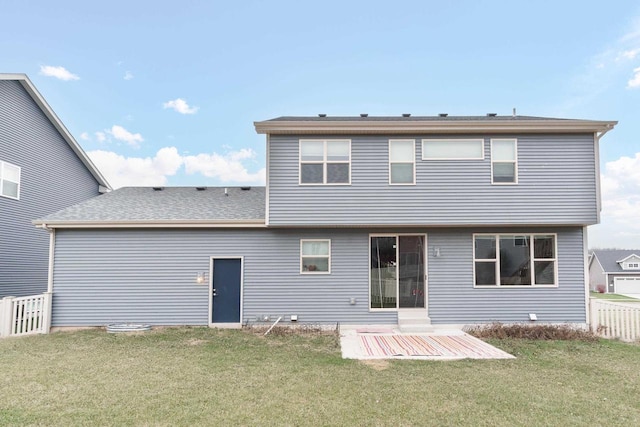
364	220
42	170
615	271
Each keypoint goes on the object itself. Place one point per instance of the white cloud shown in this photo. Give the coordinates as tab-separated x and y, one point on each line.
620	187
634	82
181	106
121	134
58	72
101	136
123	171
225	167
628	54
85	136
128	75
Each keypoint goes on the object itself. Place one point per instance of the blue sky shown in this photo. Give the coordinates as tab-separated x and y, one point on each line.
166	92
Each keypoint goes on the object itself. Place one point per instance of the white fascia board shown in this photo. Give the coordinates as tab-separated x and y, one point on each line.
149	224
57	123
432	126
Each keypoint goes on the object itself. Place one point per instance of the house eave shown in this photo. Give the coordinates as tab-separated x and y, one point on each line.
152	224
441	127
57	123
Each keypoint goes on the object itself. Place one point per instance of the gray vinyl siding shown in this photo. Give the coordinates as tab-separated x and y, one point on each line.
131	275
52	178
596	276
104	276
454	300
556	186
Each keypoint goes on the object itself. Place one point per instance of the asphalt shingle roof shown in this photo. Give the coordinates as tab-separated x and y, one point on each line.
609	258
169	204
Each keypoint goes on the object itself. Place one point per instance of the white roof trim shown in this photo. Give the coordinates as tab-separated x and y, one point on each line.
284	127
626	258
152	224
57	123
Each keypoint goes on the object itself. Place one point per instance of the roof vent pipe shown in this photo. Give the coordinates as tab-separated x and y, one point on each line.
226	192
492	114
443	114
322	115
406	115
514	111
364	115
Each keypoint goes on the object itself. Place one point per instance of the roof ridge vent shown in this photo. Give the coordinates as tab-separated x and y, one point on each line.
245	188
443	114
201	188
157	188
492	114
322	115
406	114
364	115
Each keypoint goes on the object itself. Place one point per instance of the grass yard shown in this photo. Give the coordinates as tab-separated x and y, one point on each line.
611	296
188	376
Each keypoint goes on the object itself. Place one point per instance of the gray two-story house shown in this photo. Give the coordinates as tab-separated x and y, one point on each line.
363	220
42	170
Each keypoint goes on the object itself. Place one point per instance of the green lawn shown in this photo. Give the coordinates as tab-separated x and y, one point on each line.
190	376
612	296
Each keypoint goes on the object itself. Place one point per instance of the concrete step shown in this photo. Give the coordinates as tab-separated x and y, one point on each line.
416	327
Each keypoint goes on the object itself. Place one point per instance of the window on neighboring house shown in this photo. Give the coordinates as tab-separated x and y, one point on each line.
515	260
315	256
504	161
402	161
325	161
9	180
633	265
452	149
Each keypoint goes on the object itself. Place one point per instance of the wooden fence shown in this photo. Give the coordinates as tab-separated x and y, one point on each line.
615	319
25	315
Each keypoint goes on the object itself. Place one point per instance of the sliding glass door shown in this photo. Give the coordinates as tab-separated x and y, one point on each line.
397	277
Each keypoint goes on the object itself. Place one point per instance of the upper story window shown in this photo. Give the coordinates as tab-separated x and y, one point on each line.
504	161
9	180
633	265
325	161
515	260
402	161
452	149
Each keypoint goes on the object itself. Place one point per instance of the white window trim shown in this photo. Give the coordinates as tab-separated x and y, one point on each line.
531	258
328	256
2	163
404	163
453	141
322	162
515	162
633	265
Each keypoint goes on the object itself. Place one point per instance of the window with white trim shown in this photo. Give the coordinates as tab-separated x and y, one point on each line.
504	161
315	256
633	265
325	161
453	149
402	161
515	260
9	180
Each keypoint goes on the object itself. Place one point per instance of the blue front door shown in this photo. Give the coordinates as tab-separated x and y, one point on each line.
226	283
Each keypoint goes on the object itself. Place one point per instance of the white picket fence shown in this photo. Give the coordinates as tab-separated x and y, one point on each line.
615	319
25	315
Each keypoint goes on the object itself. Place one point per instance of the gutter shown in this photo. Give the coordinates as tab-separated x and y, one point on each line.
150	224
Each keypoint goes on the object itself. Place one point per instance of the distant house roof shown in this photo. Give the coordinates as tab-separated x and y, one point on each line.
609	258
434	124
165	207
53	118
